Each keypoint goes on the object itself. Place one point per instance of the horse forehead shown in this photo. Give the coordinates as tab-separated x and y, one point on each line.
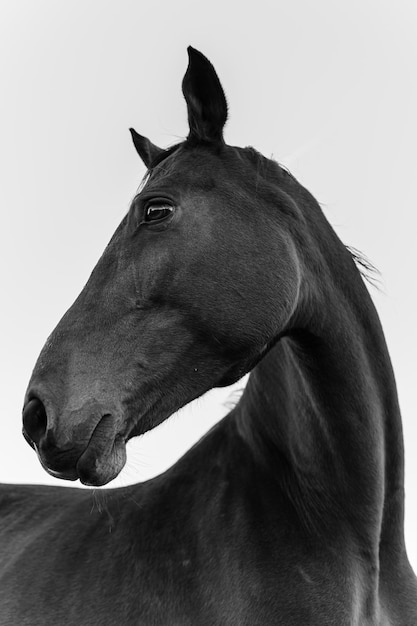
200	169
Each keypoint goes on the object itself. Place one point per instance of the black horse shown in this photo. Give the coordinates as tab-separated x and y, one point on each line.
290	510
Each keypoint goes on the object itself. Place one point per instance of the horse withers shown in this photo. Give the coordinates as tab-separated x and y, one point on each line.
290	510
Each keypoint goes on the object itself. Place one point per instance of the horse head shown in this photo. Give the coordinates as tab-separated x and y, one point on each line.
198	281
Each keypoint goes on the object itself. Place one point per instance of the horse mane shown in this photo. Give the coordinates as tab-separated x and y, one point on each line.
366	268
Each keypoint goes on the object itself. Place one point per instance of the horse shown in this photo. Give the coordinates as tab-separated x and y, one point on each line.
291	509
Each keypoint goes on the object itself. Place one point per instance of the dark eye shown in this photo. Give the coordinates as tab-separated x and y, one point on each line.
158	212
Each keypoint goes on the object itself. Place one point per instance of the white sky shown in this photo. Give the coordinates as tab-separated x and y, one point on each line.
328	88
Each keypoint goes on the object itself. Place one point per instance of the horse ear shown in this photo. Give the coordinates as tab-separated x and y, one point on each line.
147	151
206	102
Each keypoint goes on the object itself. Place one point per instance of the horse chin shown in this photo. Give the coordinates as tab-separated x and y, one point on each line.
104	457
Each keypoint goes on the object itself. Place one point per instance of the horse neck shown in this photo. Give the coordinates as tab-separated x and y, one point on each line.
321	407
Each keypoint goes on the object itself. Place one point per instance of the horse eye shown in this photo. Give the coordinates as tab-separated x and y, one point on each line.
158	212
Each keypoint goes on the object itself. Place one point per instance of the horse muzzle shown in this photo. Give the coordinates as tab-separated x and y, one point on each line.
94	458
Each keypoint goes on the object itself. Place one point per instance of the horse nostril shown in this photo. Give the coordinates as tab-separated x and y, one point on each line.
34	420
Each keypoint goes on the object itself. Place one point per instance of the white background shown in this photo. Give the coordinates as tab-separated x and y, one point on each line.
327	87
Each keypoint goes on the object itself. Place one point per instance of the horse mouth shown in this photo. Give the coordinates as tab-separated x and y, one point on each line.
102	459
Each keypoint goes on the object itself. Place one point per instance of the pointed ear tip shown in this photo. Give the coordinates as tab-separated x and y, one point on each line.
134	134
190	52
193	52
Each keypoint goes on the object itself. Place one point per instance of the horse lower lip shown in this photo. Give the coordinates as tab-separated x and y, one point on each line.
104	456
